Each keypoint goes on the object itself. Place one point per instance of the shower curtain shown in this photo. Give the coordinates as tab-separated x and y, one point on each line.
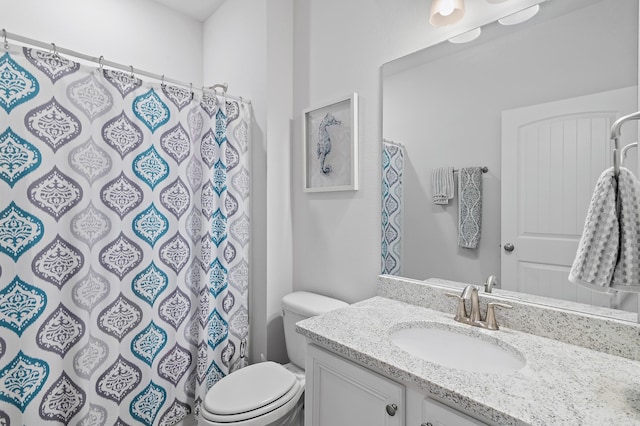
124	244
392	169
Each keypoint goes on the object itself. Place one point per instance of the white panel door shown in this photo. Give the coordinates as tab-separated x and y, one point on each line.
552	156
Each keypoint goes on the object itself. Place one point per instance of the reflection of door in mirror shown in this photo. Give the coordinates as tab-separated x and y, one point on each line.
554	153
445	105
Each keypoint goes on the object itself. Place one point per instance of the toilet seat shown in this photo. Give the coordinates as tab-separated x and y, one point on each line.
258	390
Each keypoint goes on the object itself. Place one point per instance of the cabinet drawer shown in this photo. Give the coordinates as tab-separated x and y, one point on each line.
435	413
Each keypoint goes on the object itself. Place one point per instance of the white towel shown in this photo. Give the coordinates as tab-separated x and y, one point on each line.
442	186
609	251
469	207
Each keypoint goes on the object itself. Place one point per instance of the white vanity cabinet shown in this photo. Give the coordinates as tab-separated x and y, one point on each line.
425	411
339	392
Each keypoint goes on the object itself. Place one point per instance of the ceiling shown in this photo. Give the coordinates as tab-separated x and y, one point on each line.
197	9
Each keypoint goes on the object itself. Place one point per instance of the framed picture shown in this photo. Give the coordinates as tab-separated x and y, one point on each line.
330	136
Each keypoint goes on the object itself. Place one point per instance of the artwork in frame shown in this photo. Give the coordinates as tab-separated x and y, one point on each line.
330	136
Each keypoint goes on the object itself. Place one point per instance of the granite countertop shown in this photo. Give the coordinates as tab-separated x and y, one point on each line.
561	384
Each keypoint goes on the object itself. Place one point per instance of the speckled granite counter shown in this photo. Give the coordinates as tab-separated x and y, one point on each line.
561	384
568	322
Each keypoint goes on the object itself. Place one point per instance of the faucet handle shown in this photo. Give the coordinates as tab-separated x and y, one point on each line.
491	322
461	311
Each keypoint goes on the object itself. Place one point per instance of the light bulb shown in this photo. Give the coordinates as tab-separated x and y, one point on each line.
446	12
446	8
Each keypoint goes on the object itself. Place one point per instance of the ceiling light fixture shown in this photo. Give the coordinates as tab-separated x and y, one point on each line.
466	37
446	12
520	17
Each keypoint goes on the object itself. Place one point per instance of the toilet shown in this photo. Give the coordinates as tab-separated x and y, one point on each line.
268	393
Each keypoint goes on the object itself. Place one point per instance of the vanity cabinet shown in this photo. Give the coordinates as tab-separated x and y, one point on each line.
339	392
425	411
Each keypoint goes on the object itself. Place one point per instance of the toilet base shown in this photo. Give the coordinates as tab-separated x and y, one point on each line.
295	417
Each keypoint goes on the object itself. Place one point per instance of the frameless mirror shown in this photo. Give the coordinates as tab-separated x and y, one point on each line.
533	103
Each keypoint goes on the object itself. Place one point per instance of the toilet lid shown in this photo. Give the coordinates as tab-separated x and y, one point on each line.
249	389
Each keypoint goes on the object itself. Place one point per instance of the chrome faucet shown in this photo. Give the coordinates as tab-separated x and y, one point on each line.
470	293
491	282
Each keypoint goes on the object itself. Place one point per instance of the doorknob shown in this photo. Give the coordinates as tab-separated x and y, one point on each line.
509	247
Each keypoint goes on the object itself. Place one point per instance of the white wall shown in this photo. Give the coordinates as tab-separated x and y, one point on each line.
235	53
247	44
339	47
140	33
280	113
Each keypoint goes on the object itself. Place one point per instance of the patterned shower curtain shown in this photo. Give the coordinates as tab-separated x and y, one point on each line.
124	242
392	169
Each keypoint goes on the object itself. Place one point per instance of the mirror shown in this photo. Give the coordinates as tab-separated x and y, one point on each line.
448	105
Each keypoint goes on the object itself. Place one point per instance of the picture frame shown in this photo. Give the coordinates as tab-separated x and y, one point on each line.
330	146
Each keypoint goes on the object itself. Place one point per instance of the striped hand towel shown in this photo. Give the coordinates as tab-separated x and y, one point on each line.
469	207
609	251
442	187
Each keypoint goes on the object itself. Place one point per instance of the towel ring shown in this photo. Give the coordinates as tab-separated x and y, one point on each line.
615	137
623	152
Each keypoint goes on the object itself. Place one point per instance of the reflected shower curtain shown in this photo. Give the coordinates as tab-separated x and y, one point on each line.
392	169
124	241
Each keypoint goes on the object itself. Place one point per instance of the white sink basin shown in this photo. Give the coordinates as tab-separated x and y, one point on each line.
452	347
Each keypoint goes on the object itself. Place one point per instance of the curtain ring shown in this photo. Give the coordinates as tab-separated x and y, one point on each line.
191	90
4	36
54	50
162	83
100	59
133	77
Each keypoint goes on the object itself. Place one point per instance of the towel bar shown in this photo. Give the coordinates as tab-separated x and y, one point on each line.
485	169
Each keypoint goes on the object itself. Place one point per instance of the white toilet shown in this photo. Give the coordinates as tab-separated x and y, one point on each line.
268	393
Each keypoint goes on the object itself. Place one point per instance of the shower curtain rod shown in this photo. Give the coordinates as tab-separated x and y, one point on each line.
103	62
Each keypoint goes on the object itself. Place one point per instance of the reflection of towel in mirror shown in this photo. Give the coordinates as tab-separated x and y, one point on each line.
442	187
609	250
469	206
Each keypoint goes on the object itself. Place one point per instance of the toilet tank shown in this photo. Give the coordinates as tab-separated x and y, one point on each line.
297	306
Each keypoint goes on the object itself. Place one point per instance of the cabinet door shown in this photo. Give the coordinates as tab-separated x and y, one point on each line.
437	414
341	393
